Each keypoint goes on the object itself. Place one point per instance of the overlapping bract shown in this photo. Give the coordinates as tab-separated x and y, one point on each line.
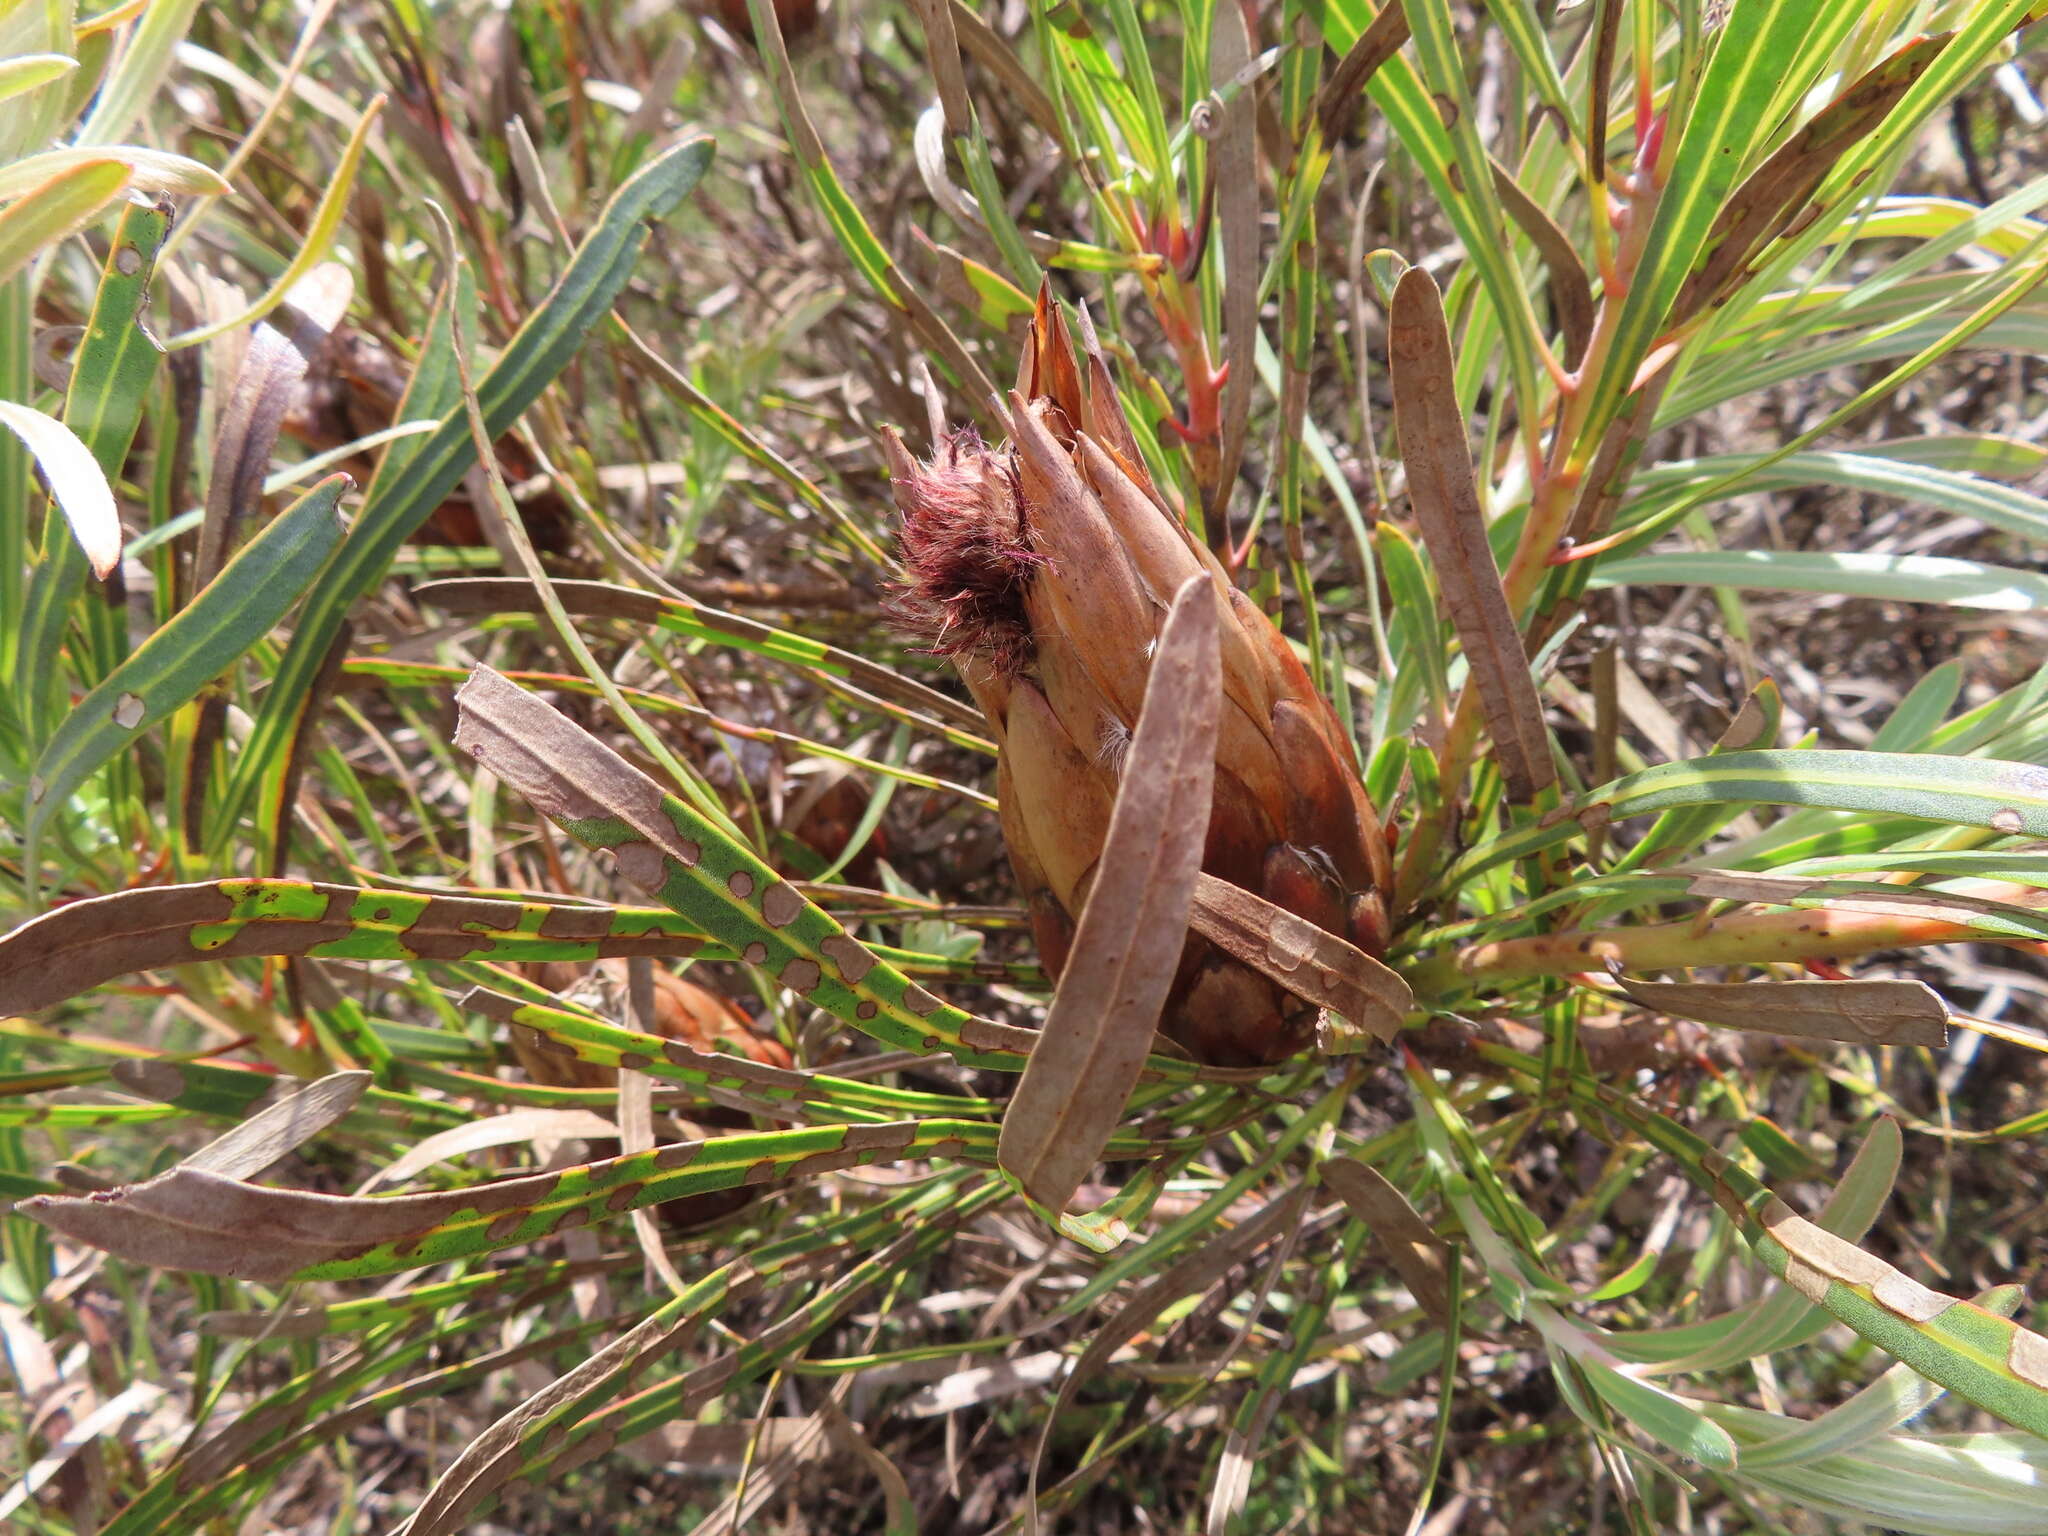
1044	566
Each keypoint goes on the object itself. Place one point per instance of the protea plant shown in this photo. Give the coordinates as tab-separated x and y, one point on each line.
1043	567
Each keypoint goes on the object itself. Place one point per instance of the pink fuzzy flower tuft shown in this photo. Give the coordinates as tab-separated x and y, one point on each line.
966	551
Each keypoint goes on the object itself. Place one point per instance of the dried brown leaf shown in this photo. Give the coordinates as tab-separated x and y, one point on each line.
989	50
1571	293
1127	943
942	53
1316	966
1378	43
1860	1012
1600	92
281	1128
1446	502
1418	1255
278	357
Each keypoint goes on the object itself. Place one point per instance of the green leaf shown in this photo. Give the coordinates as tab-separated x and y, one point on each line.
1670	1421
436	464
2011	798
236	610
1751	62
1896	578
111	375
53	208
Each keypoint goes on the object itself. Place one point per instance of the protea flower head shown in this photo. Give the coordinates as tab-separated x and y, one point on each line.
1043	566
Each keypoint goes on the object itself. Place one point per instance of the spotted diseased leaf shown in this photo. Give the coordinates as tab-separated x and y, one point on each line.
83	944
665	847
1982	1357
1127	943
1770	203
194	1219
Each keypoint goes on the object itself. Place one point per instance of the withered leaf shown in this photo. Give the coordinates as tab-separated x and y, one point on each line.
1418	1255
1315	966
281	1127
1446	502
1127	943
1860	1012
1571	294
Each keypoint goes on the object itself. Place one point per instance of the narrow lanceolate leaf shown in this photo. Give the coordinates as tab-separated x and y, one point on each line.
849	225
541	349
1313	964
1850	573
191	1219
1774	195
236	610
1234	167
1419	1256
65	202
83	944
606	600
25	72
1128	941
1752	57
281	1128
111	374
313	249
2011	798
1978	1355
77	484
670	850
1446	502
1861	1012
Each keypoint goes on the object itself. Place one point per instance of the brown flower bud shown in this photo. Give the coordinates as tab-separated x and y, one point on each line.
1044	567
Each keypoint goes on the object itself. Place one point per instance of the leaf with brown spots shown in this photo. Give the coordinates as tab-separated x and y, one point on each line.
673	851
1771	203
194	1219
1128	941
85	943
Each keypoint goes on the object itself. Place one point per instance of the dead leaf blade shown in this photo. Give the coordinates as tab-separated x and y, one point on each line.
1446	502
1858	1012
281	1128
1127	944
1315	966
1419	1256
